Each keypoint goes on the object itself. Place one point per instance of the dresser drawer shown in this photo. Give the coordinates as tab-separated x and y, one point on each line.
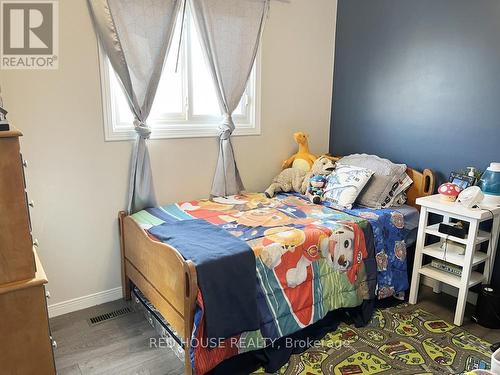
24	329
16	255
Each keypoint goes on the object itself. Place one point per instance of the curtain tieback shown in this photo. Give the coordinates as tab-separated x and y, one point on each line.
142	129
226	128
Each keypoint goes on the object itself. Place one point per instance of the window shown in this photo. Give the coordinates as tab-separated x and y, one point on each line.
186	103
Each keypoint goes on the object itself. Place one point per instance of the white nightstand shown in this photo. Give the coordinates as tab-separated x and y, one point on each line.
472	258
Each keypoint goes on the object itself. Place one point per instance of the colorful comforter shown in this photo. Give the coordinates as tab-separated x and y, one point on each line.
310	260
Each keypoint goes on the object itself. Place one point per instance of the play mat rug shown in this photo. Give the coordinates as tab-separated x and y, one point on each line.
399	340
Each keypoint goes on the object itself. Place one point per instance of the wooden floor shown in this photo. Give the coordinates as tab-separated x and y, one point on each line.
119	346
122	346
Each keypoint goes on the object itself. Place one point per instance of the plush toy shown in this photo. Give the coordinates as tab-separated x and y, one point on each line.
303	159
294	179
316	188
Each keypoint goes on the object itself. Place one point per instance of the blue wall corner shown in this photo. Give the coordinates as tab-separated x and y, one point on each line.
418	82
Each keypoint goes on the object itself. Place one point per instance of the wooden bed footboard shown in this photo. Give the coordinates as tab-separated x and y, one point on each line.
162	275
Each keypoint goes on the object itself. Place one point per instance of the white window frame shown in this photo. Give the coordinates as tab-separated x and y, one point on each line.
179	126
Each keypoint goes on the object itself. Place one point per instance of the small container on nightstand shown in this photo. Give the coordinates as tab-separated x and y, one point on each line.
450	211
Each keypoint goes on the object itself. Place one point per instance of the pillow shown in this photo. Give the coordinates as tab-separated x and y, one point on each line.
399	199
345	183
397	192
385	175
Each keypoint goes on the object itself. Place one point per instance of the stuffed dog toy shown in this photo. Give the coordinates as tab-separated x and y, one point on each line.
297	180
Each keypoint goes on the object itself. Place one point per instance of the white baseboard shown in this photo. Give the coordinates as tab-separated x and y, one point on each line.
84	302
471	296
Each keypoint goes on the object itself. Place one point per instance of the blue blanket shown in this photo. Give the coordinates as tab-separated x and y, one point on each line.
225	266
391	228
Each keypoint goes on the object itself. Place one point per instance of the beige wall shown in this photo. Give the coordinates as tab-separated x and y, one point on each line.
79	182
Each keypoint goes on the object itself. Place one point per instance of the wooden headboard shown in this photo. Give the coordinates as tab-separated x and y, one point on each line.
423	183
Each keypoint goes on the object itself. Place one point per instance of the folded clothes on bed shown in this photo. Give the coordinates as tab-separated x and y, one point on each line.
225	267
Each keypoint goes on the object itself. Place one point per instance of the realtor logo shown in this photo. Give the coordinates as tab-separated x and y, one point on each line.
29	37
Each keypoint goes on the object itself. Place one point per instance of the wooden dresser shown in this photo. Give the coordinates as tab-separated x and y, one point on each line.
25	344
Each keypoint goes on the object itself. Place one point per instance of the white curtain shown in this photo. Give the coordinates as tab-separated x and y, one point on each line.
136	36
230	32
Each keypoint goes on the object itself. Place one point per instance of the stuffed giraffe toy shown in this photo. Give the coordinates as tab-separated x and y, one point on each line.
303	159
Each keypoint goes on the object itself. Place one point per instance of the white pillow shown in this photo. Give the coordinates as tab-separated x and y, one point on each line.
345	183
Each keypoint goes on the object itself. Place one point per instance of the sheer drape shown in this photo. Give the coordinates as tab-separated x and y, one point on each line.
136	36
230	32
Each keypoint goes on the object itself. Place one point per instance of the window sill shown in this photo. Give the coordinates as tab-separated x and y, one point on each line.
178	131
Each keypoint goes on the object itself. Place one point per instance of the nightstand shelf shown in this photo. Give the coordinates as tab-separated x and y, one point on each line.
449	278
435	251
482	236
472	258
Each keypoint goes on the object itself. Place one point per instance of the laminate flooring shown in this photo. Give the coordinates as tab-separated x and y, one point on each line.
122	346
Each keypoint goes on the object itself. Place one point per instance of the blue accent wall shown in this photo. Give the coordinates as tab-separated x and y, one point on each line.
418	82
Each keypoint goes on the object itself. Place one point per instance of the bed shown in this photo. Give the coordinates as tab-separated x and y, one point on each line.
146	261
